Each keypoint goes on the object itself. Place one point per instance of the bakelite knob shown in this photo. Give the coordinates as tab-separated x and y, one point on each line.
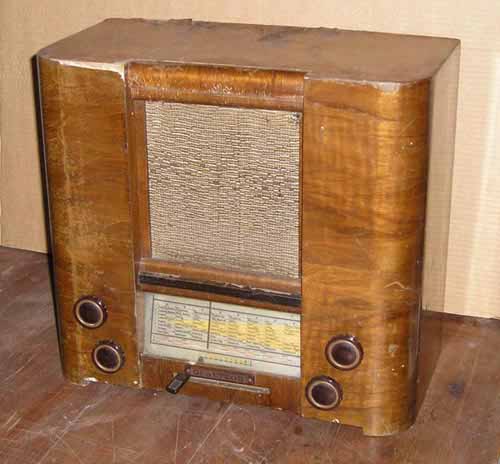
90	312
108	356
344	352
324	392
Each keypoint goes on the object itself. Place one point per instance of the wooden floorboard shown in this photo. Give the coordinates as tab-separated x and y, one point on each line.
480	412
44	419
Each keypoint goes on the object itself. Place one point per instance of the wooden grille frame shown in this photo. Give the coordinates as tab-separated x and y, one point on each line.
236	88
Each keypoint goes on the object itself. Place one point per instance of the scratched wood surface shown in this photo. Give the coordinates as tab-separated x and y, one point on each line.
84	138
364	183
44	419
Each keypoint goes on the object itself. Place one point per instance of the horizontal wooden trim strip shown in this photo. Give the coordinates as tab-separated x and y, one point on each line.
237	291
216	297
223	86
220	276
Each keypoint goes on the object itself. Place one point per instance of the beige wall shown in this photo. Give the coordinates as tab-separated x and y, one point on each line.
474	261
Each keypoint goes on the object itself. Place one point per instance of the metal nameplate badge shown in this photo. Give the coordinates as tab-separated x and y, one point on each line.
220	374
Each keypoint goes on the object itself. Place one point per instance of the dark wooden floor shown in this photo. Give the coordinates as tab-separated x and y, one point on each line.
44	419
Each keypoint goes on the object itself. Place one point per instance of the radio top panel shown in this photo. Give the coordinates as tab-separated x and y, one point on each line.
323	52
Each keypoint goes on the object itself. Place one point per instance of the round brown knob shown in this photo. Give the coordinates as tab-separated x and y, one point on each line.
90	312
344	352
108	356
323	392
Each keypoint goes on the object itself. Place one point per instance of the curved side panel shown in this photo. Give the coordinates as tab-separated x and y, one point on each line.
88	181
365	156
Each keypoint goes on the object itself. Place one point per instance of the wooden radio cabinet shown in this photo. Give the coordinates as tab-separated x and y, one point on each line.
239	211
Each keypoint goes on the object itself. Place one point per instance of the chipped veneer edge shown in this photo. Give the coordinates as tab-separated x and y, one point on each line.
383	86
87	380
117	67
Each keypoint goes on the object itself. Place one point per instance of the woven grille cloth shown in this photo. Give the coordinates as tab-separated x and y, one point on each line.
224	187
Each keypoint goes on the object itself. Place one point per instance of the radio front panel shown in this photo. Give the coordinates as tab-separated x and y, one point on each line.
238	211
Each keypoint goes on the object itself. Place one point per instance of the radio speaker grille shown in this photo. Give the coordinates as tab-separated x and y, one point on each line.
224	187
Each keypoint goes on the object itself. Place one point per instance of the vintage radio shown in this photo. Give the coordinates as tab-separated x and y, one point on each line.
238	211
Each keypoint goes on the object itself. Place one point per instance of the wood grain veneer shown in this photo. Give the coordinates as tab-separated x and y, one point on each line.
243	88
364	187
91	232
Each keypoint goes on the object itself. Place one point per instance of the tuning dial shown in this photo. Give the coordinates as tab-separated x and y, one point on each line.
108	356
90	312
323	392
344	352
